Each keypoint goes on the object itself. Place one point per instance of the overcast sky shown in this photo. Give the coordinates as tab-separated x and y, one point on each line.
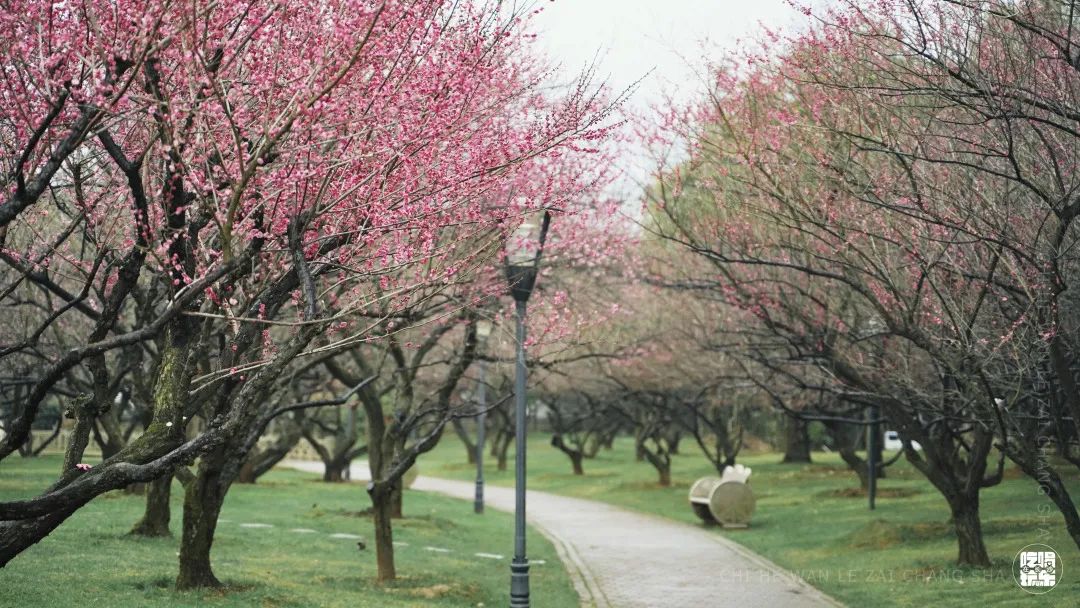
632	37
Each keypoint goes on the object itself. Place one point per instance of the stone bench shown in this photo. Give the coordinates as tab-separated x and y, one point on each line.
726	500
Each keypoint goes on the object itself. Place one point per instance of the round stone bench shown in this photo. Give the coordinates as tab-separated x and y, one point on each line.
726	500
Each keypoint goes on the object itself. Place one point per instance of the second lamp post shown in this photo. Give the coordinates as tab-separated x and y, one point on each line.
483	330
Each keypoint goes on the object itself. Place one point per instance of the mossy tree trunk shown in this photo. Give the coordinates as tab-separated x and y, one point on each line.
155	519
84	411
218	469
203	498
170	395
17	536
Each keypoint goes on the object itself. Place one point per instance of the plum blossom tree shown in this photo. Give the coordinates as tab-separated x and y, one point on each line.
1001	79
252	180
874	205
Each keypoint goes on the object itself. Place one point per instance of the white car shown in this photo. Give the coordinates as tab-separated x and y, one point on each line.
892	442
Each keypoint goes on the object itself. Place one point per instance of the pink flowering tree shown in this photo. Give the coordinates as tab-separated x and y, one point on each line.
427	342
249	182
885	208
1003	81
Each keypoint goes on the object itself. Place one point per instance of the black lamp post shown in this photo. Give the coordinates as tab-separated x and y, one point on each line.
483	330
523	251
872	449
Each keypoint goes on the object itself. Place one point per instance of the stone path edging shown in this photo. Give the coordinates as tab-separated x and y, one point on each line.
592	596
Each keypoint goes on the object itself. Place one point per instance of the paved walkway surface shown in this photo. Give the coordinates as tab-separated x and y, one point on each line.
621	559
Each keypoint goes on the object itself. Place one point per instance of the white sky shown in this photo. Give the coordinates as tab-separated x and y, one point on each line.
632	37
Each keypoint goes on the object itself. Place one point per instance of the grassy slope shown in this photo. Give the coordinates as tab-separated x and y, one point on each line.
902	554
90	561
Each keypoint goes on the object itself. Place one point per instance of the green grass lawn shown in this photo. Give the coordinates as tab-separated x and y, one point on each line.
901	554
91	561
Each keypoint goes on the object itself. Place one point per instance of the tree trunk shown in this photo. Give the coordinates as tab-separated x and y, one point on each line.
247	471
592	446
965	514
26	449
203	499
18	536
845	438
721	463
673	442
108	434
382	508
609	441
261	460
796	441
334	471
463	434
1051	485
397	498
155	519
336	452
80	438
960	479
665	476
170	392
856	464
879	451
503	449
576	456
109	448
38	449
661	462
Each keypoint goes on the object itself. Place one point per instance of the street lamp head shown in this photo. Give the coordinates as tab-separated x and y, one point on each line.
523	244
523	251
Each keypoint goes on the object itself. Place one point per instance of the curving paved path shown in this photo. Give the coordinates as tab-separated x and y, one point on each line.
621	559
